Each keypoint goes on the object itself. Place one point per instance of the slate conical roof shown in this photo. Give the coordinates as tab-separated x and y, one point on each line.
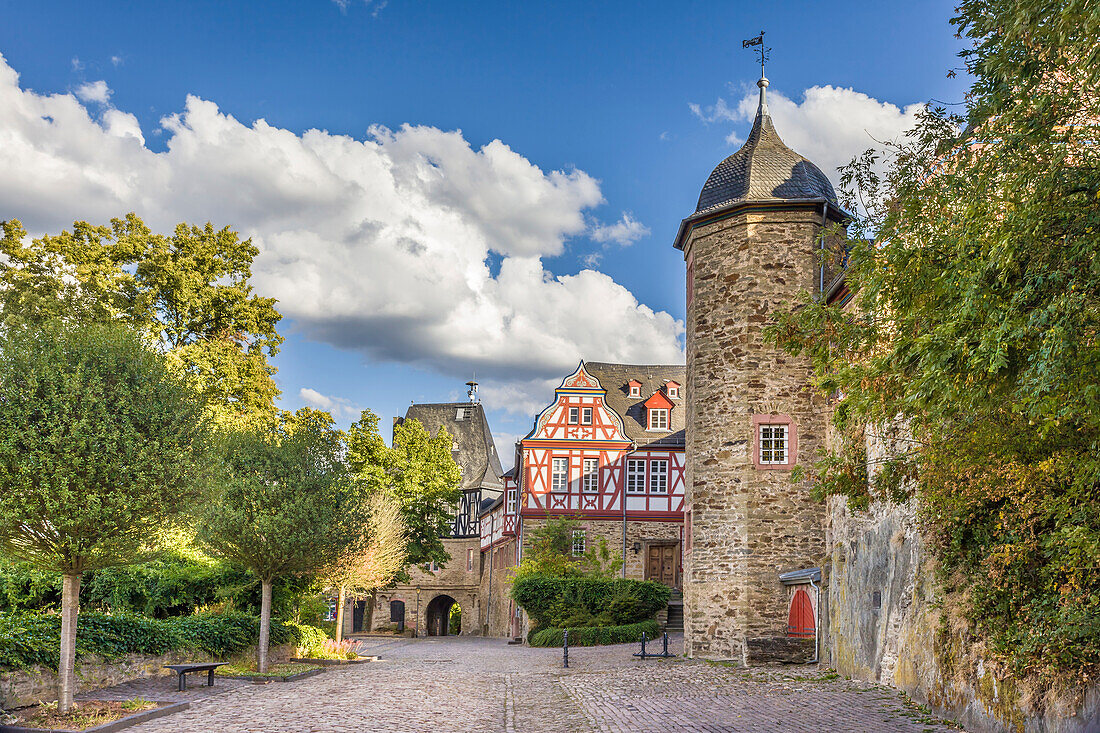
764	169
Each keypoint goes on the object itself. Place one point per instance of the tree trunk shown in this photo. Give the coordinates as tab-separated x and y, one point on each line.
340	598
265	626
70	607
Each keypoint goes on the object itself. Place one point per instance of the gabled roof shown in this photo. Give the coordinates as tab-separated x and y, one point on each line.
476	454
615	377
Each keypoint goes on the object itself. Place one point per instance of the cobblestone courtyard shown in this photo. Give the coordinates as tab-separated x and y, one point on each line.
471	684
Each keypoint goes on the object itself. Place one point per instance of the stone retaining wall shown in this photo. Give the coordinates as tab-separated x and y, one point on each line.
22	687
885	611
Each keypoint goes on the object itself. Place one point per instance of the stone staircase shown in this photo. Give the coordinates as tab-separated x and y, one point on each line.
675	612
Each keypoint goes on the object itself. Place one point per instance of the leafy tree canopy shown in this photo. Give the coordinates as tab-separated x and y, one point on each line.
188	293
419	472
101	447
971	345
551	553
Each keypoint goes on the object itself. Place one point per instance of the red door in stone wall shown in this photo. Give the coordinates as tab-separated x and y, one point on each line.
800	620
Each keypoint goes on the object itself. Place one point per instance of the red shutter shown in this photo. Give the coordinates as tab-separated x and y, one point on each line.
800	620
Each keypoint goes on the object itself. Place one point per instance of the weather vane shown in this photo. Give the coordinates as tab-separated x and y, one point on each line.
761	53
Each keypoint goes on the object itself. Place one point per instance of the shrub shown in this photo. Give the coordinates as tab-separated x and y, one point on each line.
594	635
27	639
550	601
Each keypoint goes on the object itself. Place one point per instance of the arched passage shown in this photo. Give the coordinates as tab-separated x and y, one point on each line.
438	615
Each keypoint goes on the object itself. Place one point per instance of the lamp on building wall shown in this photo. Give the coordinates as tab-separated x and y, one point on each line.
637	547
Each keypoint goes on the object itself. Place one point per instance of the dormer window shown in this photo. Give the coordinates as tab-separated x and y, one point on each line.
658	418
673	390
635	388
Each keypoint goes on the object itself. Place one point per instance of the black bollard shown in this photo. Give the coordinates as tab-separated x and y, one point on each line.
665	652
565	648
643	645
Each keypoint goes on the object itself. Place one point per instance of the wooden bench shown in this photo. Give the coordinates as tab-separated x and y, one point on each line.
182	669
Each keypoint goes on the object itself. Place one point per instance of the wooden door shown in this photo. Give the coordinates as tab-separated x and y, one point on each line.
661	564
800	620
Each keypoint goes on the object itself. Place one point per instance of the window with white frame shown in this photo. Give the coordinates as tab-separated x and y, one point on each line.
574	412
658	418
673	392
586	416
774	444
510	498
635	390
578	542
658	477
635	476
590	482
559	474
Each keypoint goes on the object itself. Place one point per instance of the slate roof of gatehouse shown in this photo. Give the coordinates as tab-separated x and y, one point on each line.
476	453
614	378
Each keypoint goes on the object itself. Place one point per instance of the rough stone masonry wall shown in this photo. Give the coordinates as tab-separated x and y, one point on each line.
645	533
901	640
495	591
747	525
453	579
22	687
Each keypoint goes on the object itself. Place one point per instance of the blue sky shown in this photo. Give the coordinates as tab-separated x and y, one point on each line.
408	259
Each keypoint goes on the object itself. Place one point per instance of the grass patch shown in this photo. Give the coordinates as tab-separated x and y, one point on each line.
84	714
248	669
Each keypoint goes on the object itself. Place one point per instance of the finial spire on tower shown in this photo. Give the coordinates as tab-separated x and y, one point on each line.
762	54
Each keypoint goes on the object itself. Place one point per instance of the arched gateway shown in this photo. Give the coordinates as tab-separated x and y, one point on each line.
438	615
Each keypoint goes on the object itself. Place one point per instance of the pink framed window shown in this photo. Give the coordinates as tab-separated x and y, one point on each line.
775	442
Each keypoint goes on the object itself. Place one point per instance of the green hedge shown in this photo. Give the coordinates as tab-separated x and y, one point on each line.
578	601
595	635
27	639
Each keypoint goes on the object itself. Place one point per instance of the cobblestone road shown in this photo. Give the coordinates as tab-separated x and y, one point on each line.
457	684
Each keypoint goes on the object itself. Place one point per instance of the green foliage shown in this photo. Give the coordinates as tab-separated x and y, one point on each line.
101	448
554	601
551	552
27	639
25	587
419	472
971	347
594	635
287	505
188	292
170	585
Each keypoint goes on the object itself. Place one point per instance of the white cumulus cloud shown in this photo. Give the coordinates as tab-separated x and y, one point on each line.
338	407
830	126
94	91
625	231
381	244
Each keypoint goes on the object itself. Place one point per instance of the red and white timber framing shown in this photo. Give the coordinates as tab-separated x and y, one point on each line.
579	426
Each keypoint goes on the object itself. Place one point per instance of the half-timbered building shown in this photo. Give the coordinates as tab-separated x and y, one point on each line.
609	451
425	603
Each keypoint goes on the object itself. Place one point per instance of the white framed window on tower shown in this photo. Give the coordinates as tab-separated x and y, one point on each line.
774	444
559	474
635	476
590	482
658	418
510	499
578	542
658	477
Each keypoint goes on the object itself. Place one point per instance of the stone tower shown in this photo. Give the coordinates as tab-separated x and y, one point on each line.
751	246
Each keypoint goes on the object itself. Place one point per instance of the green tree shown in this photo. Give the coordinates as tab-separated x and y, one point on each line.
188	293
419	472
287	505
551	552
100	452
973	337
